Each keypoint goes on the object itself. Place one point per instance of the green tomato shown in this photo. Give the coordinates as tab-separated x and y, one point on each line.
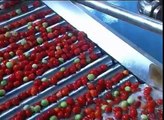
63	104
62	69
116	93
124	104
58	48
144	117
44	103
32	108
27	54
109	101
34	66
103	107
26	107
18	11
91	76
44	79
130	100
11	53
2	92
78	117
9	65
39	40
29	27
37	108
76	60
49	30
3	82
36	27
29	24
25	79
8	34
53	118
61	60
1	58
44	24
127	88
23	41
70	34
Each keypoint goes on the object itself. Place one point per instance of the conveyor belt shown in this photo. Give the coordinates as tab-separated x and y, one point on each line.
113	67
71	12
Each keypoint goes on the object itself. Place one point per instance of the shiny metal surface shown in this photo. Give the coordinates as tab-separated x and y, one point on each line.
147	41
137	63
146	6
149	8
133	18
157	13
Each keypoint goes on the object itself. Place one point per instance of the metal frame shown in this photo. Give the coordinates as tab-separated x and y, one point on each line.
122	14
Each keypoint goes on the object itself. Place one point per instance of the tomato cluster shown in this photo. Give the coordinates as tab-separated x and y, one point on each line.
44	50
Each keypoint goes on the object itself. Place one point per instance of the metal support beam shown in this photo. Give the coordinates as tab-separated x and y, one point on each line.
133	18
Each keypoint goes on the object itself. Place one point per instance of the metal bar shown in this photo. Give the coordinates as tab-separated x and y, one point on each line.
122	14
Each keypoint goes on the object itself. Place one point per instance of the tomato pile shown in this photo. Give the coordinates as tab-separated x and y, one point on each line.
14	13
62	74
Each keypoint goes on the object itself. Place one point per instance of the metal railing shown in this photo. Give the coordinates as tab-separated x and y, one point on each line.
122	14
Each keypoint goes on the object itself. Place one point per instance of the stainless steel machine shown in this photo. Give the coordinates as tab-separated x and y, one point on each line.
151	8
